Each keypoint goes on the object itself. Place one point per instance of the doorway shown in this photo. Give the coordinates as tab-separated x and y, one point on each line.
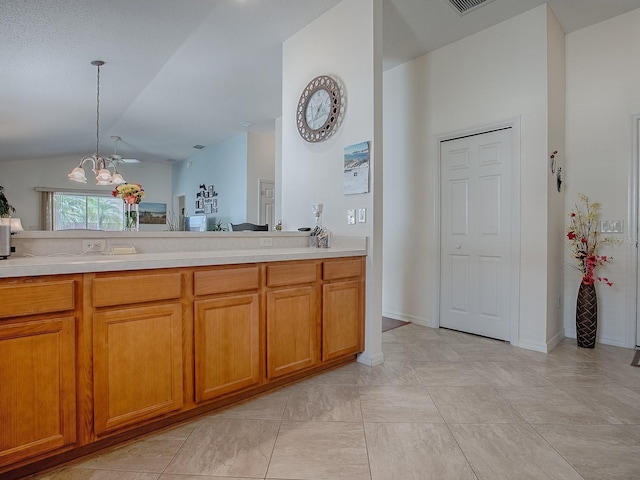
178	214
267	203
476	244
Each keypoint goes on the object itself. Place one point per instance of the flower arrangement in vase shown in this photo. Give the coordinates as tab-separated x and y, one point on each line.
584	240
583	243
132	194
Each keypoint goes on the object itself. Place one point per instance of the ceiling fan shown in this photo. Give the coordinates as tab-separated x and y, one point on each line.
118	158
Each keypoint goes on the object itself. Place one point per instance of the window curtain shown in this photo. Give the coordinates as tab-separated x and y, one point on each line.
46	210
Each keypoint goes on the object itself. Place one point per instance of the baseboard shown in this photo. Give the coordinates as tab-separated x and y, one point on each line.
603	340
612	342
371	360
407	318
539	346
555	340
535	346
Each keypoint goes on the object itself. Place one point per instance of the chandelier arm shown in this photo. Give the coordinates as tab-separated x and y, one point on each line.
88	158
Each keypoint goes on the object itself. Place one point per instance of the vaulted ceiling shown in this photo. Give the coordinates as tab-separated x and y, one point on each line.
187	72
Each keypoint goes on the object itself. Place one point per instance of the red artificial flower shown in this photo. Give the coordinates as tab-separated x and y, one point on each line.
588	280
573	214
570	235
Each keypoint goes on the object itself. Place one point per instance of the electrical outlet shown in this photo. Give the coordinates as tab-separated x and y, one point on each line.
266	242
93	245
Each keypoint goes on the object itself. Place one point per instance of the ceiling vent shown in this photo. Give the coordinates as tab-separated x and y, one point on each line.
466	6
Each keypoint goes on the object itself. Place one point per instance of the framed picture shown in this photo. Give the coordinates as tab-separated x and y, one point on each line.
210	190
152	213
356	169
207	208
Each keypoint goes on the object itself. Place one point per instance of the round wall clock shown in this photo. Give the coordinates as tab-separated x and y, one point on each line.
320	108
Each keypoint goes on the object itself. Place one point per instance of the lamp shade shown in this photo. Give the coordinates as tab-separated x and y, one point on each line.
103	175
117	179
78	175
14	223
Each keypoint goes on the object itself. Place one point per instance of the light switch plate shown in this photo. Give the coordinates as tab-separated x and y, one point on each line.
351	216
612	226
362	215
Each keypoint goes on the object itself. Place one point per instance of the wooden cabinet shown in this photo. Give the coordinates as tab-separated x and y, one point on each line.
292	318
90	360
137	350
37	368
342	308
226	331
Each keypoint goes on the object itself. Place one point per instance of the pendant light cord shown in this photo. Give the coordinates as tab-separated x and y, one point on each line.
98	115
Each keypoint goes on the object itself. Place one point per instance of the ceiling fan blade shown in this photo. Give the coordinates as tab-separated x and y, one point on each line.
118	158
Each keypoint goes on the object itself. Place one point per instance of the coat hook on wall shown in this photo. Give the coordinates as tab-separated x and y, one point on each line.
559	179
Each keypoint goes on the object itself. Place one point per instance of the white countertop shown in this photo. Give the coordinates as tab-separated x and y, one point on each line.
19	266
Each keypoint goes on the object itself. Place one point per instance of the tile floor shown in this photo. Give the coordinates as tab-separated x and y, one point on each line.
444	405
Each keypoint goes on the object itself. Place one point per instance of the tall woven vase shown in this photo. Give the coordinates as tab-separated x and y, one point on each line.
586	316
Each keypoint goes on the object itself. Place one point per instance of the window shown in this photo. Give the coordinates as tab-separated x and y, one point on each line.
86	211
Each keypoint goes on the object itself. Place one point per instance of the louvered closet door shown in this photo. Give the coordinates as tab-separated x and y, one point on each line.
475	189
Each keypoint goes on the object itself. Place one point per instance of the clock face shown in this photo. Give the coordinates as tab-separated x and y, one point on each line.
320	109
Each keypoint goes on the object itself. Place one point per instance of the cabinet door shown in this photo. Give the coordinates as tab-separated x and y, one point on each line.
37	387
292	330
227	345
342	319
137	364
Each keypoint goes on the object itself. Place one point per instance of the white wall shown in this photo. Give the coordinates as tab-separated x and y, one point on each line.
603	92
345	42
20	177
225	167
261	151
493	76
556	98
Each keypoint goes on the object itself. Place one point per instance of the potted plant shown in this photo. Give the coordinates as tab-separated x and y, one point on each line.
217	226
6	209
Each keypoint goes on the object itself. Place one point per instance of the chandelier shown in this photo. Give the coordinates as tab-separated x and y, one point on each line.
104	168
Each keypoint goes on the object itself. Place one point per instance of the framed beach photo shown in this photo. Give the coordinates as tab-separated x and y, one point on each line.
356	169
153	213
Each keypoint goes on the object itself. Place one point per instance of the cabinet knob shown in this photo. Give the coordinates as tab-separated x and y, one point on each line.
458	246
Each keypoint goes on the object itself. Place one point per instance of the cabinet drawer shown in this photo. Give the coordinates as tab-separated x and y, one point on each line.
342	269
34	298
225	280
138	288
291	274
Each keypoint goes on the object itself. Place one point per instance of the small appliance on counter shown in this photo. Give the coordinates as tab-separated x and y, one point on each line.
5	242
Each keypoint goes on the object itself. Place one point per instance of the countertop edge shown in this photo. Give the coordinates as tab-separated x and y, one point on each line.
60	265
